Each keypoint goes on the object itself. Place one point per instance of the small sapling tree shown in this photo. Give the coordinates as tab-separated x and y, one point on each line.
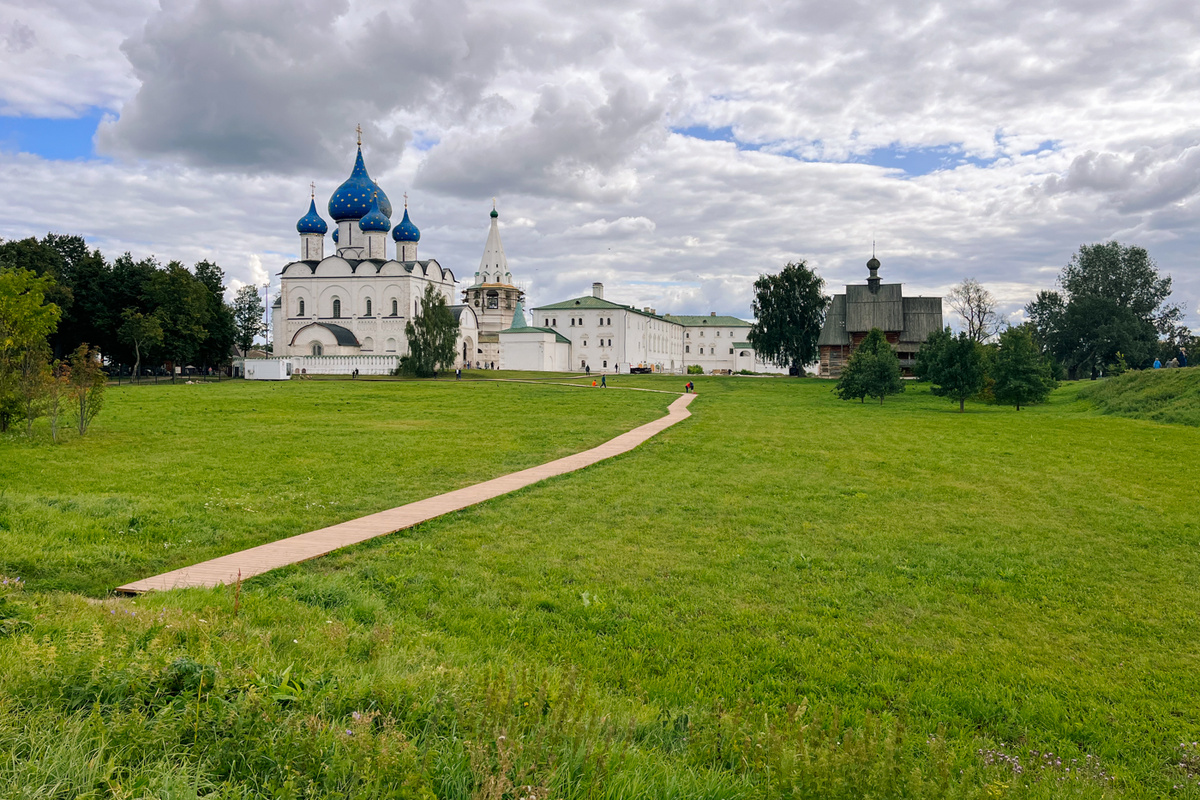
432	335
953	364
1022	373
58	390
873	370
142	331
87	383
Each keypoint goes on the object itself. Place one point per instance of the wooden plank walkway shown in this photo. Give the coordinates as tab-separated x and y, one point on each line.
257	560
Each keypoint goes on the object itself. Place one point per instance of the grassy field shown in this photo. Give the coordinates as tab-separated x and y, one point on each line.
172	475
784	596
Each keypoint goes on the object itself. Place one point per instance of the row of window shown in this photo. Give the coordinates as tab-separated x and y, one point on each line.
712	351
601	343
337	308
546	323
688	334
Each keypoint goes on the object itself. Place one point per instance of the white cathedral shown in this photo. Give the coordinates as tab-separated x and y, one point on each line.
347	311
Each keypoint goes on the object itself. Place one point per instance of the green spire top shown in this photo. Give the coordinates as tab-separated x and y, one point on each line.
518	320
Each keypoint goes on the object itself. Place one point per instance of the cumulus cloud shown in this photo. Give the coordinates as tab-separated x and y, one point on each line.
674	152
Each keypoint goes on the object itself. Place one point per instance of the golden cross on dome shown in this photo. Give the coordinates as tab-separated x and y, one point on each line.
406	200
312	188
358	130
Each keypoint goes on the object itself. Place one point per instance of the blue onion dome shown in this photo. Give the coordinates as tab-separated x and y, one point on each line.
312	222
374	219
352	200
335	235
406	231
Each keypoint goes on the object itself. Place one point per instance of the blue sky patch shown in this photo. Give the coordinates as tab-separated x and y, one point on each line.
724	134
917	161
54	139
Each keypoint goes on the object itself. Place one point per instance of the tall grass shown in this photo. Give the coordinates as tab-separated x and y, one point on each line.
1161	395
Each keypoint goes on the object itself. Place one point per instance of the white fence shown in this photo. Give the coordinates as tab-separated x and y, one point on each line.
332	365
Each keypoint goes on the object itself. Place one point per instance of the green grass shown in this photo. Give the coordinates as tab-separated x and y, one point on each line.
1162	395
172	475
784	596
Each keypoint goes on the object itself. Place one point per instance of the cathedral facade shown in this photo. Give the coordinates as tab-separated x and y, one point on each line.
357	300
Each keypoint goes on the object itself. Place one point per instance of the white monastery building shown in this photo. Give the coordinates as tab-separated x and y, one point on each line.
347	311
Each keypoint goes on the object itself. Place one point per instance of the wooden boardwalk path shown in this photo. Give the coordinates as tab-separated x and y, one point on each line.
257	560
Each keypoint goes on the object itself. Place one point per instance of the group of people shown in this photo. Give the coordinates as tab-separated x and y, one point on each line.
1180	360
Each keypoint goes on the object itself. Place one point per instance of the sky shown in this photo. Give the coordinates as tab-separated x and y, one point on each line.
674	151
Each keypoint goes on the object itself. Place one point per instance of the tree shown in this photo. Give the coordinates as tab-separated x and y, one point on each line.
1021	372
26	321
977	306
32	383
789	310
432	337
86	384
183	305
873	370
215	349
248	312
1112	300
953	364
142	331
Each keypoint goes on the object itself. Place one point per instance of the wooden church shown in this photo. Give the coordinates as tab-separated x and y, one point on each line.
905	321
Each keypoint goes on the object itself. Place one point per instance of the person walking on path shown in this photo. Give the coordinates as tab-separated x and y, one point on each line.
458	374
587	368
603	383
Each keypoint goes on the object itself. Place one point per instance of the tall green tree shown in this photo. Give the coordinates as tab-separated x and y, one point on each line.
873	370
219	326
1022	373
432	336
1112	299
183	305
789	310
953	364
248	317
27	320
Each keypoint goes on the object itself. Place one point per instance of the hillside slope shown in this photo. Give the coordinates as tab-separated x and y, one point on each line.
1164	395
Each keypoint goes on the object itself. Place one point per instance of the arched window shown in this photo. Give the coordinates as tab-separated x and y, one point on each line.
301	314
606	365
554	322
391	345
368	306
317	349
395	307
493	299
415	310
687	348
337	308
743	353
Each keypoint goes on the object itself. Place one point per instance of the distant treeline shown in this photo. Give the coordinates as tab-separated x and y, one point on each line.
132	310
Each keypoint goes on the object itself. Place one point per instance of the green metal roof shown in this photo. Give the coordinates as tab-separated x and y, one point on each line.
589	302
558	337
718	322
743	344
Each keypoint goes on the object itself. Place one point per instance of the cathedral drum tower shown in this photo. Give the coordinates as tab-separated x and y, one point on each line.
492	297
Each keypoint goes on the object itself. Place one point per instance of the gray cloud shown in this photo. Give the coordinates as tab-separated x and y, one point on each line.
565	112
